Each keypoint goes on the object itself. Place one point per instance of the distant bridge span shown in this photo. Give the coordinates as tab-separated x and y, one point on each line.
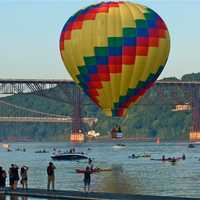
37	86
14	86
86	120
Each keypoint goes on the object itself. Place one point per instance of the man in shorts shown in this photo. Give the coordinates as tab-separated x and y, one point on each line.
87	179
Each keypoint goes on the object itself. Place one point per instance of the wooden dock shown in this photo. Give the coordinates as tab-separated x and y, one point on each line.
76	195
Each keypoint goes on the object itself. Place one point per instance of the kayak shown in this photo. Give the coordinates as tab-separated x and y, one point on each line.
167	159
95	170
140	156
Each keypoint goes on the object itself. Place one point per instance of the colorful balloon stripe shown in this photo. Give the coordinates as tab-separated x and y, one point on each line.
119	64
134	93
76	21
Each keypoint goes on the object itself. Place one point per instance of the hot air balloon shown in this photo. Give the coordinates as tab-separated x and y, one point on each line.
115	51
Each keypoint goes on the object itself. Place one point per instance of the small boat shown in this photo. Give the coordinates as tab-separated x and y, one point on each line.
167	159
191	145
119	146
69	156
7	147
42	151
21	149
95	170
133	156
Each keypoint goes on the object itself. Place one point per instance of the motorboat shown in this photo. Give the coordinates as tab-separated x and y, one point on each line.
69	156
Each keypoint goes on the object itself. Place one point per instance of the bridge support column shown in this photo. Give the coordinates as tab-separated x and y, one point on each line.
77	134
195	129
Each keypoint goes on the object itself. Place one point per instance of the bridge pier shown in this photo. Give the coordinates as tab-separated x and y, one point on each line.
77	134
194	134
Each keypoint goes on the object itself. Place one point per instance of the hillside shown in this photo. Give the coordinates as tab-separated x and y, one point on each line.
152	117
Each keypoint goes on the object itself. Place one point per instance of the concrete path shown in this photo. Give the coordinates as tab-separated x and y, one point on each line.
76	195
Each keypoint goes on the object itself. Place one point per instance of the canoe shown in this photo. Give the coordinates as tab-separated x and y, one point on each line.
167	159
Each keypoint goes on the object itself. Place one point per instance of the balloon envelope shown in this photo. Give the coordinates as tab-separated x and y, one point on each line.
115	51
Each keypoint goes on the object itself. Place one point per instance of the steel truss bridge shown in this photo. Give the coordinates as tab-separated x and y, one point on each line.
74	97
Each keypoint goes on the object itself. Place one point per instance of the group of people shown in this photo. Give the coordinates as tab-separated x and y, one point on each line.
17	174
173	159
87	176
14	177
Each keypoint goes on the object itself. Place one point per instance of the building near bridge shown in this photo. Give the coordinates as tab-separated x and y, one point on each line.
182	107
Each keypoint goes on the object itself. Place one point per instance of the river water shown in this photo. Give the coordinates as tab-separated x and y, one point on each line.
138	176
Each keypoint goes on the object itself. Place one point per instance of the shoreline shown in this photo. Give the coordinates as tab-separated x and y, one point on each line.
103	139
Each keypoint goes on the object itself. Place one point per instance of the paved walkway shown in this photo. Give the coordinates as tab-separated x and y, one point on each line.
76	195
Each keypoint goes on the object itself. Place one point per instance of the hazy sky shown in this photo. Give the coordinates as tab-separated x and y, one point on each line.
30	31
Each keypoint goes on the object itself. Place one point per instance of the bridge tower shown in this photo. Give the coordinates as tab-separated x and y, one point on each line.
77	134
194	135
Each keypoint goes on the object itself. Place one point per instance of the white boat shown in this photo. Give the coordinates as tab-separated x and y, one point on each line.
7	147
119	146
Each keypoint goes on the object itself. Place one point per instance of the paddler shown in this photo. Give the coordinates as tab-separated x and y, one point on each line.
87	179
90	163
163	158
183	157
173	160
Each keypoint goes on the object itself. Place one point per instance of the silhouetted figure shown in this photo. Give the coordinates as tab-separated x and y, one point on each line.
15	176
163	158
90	163
133	155
87	179
11	176
2	178
51	175
119	129
183	157
24	177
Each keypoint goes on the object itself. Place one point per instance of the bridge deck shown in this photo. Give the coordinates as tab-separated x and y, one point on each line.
61	194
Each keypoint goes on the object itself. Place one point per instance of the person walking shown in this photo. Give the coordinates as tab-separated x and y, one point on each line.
87	179
24	177
51	176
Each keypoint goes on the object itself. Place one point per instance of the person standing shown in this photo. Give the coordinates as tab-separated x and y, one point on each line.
11	176
87	179
24	177
51	175
90	163
16	176
2	179
4	176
